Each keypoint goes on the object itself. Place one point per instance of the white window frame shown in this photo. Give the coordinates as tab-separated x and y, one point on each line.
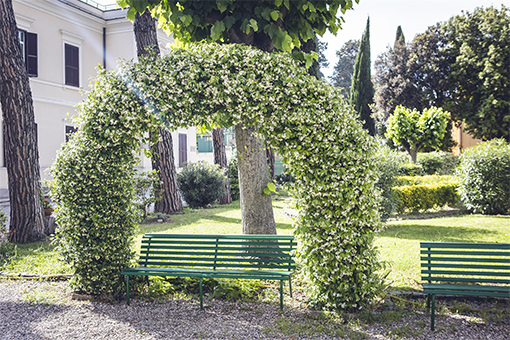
77	41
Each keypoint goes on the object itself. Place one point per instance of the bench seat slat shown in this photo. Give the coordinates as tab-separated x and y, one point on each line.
217	259
211	248
463	252
464	279
218	265
461	265
466	273
212	253
219	236
465	245
465	259
205	271
478	288
219	242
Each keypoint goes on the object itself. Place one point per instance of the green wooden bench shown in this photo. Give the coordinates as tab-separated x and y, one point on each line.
264	257
469	269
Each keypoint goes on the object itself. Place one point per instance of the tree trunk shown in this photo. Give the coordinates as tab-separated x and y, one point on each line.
270	162
21	153
163	159
256	207
146	36
220	158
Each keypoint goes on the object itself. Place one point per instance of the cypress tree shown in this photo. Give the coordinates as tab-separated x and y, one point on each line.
400	35
362	89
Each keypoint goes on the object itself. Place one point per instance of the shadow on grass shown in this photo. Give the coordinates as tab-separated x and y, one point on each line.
436	233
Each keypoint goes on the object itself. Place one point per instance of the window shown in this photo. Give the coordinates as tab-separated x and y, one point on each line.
183	149
28	42
69	131
72	65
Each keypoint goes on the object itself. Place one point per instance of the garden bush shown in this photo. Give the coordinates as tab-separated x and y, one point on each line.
389	163
411	169
201	184
484	174
233	176
7	249
438	162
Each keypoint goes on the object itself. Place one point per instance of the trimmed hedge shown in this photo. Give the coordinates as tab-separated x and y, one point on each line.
426	192
438	162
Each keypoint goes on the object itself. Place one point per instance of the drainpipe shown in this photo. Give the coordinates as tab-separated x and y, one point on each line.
104	48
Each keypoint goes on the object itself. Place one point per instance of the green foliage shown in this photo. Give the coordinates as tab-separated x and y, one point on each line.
425	194
362	89
438	162
484	173
389	166
233	176
413	130
7	249
344	67
478	48
201	184
285	22
146	193
411	169
304	119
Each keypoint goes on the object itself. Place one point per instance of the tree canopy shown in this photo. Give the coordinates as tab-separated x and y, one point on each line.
414	130
344	67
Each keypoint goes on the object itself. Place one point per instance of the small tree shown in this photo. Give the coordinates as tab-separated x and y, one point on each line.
413	130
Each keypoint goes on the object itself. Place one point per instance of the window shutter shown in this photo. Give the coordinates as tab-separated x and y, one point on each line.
31	54
72	65
183	149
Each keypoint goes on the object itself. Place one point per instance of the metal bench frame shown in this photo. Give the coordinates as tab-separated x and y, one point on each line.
264	257
469	269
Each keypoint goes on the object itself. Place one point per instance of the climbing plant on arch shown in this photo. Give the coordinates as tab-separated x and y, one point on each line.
304	119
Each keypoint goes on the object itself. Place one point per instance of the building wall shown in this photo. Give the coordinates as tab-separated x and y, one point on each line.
463	139
57	22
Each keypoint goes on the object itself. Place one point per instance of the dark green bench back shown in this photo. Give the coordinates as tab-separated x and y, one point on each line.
465	262
261	252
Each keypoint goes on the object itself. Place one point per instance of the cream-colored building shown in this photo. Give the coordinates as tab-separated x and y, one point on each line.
63	43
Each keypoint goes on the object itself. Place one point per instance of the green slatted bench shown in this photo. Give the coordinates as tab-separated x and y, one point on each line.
469	269
264	257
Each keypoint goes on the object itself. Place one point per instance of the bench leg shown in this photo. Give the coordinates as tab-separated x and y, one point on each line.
127	289
201	298
290	287
281	294
432	315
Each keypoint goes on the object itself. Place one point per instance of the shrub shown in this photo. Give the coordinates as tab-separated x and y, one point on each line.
389	163
484	174
201	184
411	169
422	197
285	177
145	191
233	176
439	162
430	179
7	249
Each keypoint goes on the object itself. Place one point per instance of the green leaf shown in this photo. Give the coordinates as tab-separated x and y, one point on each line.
275	15
186	20
278	3
131	14
229	21
254	25
217	30
287	43
221	5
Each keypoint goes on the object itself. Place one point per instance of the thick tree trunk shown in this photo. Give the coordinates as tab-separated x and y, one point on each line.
220	158
256	207
146	36
163	159
21	154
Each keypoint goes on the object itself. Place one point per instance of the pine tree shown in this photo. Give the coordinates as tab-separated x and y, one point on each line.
362	89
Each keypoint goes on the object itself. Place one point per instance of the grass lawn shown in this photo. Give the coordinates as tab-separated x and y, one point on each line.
398	243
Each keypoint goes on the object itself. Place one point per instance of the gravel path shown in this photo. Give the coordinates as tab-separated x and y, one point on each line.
45	310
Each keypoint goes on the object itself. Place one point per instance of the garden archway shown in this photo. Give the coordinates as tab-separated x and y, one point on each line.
304	119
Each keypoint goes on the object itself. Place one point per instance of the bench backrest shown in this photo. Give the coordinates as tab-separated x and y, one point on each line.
264	252
465	262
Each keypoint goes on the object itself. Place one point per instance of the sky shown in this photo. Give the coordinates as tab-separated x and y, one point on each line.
385	16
